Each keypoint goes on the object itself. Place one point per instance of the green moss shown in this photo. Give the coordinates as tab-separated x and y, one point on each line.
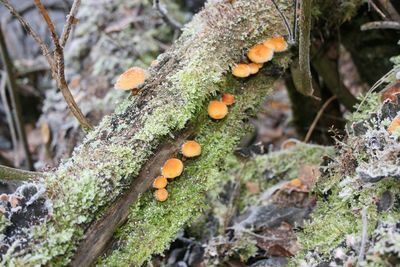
369	103
152	225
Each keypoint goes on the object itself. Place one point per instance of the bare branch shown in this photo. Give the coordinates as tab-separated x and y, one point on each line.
58	71
71	18
45	50
163	12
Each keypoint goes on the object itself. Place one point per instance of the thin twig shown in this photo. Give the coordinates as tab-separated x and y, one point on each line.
304	48
45	50
316	119
376	8
7	173
71	19
163	12
285	22
10	121
295	20
16	105
381	25
364	236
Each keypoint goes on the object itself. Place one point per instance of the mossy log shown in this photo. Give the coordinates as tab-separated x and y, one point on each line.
88	197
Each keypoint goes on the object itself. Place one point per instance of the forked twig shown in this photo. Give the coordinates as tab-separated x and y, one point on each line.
55	60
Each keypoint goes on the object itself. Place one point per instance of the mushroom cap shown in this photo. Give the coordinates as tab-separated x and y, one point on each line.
295	182
260	53
160	182
228	99
254	67
172	168
277	43
217	110
191	149
130	79
241	70
161	194
394	125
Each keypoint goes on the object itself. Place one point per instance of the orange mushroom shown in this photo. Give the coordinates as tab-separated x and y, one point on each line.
241	70
260	53
217	110
394	125
160	182
161	194
277	43
254	67
191	149
295	183
172	168
228	99
130	79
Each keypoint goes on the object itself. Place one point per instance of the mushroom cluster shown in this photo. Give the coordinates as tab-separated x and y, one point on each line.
173	168
218	110
258	55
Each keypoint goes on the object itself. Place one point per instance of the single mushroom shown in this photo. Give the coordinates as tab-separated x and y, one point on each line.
228	99
191	149
295	183
160	182
277	43
172	168
394	125
217	110
131	79
255	67
161	194
241	71
260	53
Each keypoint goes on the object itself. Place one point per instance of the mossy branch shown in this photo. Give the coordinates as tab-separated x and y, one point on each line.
305	80
7	173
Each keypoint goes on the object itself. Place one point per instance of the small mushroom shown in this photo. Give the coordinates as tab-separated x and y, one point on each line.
260	53
160	182
277	43
161	194
295	183
228	99
4	197
241	71
172	168
394	125
217	110
255	67
130	79
191	149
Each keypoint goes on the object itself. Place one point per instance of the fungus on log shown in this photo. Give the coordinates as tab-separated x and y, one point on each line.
94	192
